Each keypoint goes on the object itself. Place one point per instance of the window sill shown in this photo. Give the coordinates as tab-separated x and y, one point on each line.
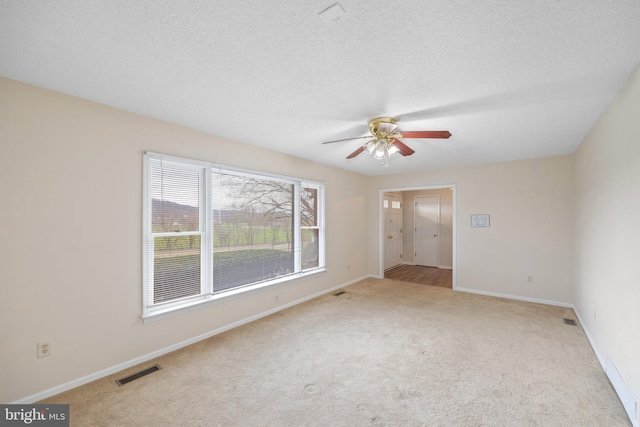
205	301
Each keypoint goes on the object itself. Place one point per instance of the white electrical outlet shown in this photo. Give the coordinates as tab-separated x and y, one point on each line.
44	349
530	279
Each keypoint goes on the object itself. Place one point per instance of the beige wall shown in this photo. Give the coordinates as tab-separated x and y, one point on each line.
70	226
607	268
531	233
445	236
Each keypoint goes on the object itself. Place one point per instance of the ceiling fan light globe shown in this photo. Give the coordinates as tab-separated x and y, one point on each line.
381	149
370	146
393	150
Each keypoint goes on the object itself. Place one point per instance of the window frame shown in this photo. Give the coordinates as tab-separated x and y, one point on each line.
154	311
319	223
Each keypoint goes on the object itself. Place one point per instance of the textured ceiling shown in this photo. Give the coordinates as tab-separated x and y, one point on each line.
509	79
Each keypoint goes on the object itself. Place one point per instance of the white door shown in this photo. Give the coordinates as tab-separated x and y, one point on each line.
392	207
427	218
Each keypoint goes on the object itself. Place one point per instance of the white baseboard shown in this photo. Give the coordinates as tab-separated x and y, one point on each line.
444	267
626	398
590	339
515	297
125	365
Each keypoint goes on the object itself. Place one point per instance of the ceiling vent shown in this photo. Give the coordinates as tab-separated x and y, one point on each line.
332	13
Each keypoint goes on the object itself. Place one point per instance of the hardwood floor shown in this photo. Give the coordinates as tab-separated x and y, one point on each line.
424	275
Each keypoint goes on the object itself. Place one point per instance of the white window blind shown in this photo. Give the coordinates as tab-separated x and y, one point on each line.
209	230
174	246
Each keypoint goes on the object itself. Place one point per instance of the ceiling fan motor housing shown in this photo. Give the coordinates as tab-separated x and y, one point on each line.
382	127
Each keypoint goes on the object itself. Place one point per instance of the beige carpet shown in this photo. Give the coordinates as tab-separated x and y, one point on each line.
384	353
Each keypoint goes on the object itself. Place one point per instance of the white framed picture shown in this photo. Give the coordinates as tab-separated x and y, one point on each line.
480	220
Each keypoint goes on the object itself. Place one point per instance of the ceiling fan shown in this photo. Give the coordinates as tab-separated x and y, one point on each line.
385	139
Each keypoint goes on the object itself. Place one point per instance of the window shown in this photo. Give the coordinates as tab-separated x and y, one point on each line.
211	231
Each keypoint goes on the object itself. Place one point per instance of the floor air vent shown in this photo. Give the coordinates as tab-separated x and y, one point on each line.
570	322
339	293
140	374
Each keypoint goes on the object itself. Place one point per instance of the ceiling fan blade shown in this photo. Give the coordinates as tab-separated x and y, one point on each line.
402	147
355	153
426	134
346	139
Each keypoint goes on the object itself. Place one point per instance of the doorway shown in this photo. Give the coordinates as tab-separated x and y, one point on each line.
444	260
